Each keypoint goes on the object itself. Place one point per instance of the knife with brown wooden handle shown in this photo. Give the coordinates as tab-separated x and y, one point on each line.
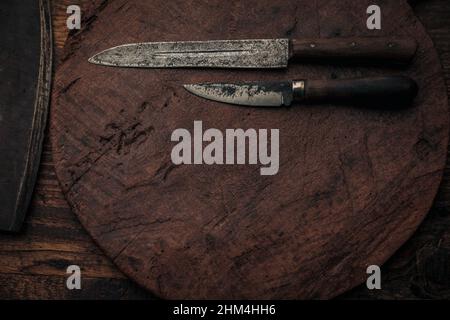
259	53
396	50
391	92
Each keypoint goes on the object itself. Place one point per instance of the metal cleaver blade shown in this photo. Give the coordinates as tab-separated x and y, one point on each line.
25	80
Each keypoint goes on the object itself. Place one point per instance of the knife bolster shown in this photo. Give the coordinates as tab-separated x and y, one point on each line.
298	89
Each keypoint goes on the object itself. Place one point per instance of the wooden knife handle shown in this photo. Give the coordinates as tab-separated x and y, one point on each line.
395	50
396	91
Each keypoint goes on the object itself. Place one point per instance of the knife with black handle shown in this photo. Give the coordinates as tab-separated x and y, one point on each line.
391	92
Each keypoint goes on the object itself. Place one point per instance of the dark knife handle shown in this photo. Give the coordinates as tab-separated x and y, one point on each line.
395	50
395	91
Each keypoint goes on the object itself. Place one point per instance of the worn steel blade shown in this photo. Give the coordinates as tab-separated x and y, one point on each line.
262	53
257	94
25	77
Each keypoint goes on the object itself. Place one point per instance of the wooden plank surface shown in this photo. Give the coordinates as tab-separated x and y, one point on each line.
33	263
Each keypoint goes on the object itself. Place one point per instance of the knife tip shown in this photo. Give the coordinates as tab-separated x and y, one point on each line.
93	59
188	87
196	89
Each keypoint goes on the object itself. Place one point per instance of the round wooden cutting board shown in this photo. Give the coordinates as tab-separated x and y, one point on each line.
353	183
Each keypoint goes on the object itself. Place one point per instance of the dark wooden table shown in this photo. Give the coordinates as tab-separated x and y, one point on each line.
33	263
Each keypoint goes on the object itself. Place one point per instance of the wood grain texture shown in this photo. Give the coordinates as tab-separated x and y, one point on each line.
353	186
390	50
387	91
57	232
34	261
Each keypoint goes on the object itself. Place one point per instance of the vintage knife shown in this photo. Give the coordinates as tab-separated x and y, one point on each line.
396	91
262	53
25	77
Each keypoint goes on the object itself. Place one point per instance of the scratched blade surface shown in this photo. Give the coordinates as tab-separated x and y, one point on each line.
263	53
256	94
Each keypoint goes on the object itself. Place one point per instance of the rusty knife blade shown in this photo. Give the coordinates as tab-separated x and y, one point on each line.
257	94
25	76
260	53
